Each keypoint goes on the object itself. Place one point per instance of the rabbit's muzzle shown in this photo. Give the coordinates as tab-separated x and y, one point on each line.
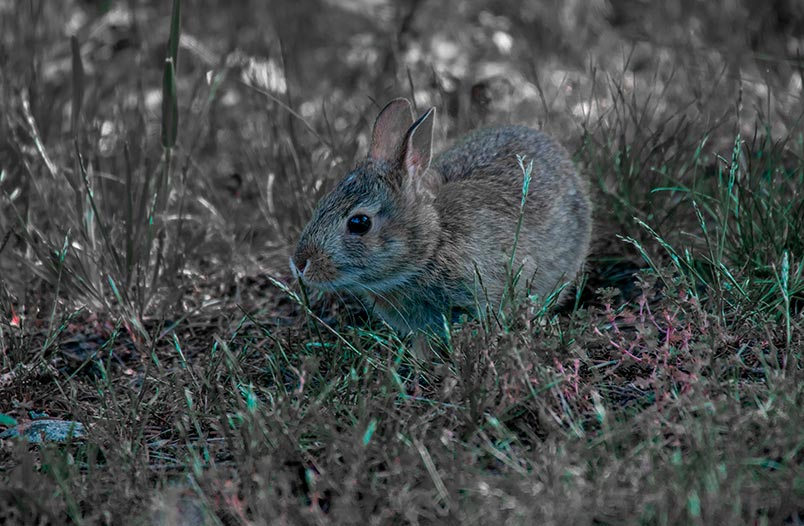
312	266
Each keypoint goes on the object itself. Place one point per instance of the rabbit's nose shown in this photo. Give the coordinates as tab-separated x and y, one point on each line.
297	273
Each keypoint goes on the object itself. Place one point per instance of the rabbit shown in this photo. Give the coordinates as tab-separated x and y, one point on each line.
420	240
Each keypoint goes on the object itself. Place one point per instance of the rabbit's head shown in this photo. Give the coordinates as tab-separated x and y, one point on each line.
378	225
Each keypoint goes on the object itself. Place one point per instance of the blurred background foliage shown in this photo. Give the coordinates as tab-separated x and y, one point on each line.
277	97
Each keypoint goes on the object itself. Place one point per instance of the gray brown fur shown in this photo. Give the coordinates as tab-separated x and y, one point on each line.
437	226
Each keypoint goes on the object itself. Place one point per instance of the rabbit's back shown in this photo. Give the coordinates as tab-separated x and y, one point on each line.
493	151
479	205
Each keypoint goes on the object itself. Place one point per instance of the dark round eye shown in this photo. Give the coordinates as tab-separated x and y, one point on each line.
359	224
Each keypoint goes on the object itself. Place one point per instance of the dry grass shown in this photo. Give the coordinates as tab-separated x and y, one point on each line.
144	290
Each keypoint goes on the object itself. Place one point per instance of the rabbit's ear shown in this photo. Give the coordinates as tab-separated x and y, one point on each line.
389	130
418	148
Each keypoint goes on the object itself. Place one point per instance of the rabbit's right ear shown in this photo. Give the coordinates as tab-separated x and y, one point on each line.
389	130
418	148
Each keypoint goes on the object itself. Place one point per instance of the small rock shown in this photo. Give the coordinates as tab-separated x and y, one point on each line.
46	430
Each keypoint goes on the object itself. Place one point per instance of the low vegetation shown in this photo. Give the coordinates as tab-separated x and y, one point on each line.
151	188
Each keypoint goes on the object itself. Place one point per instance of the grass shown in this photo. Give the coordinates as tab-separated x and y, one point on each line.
146	210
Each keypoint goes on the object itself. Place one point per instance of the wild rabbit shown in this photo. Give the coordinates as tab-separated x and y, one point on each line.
418	241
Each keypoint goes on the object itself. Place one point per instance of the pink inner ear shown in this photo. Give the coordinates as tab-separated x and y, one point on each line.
418	144
389	130
413	161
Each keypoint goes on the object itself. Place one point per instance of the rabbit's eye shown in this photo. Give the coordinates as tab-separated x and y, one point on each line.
359	224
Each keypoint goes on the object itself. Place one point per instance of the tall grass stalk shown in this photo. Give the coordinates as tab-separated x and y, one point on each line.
514	273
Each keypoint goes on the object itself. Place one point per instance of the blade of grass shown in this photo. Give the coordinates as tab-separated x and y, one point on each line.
78	85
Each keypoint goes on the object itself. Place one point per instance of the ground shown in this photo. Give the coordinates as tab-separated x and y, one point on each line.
166	369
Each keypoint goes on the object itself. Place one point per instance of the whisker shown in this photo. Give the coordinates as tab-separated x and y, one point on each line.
385	298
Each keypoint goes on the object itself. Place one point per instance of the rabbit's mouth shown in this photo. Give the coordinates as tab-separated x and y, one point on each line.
323	275
314	271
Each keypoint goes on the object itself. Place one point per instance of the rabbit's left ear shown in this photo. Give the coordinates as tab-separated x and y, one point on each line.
417	149
389	130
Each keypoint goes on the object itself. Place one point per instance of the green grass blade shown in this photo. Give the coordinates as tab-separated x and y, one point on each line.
170	106
78	84
175	32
